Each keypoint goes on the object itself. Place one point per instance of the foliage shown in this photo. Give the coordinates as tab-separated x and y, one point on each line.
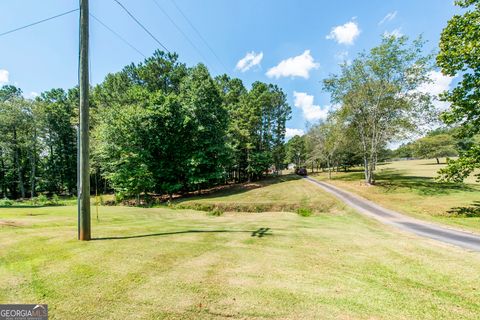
459	46
435	146
326	138
296	150
185	133
304	212
6	202
157	127
379	97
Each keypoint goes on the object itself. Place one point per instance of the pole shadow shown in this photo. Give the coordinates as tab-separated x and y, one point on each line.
258	233
261	232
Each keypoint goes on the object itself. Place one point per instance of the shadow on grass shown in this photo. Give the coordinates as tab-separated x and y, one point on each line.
391	180
469	212
261	232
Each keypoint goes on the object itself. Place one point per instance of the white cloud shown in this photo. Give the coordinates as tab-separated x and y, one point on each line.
397	33
4	74
291	132
439	84
389	17
311	112
346	33
298	66
250	60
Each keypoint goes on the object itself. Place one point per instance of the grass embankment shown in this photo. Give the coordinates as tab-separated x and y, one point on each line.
285	193
409	187
161	263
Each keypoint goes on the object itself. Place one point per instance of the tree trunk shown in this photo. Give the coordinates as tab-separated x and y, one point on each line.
32	179
329	169
33	160
366	169
438	160
371	169
17	165
3	189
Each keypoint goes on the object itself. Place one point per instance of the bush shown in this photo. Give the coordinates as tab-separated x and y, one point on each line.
304	212
119	197
55	199
34	201
6	202
42	199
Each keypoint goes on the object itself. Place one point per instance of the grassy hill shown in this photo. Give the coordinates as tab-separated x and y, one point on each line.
409	187
162	263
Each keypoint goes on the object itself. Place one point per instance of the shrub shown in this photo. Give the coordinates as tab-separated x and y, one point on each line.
304	212
42	199
119	197
6	202
55	199
34	201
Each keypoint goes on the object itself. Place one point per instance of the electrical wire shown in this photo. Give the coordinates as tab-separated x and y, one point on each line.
180	30
117	35
141	25
199	35
38	22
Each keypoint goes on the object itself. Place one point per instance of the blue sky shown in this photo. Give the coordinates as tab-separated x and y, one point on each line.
294	44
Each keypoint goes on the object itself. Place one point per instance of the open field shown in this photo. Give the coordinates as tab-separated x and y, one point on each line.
162	263
409	187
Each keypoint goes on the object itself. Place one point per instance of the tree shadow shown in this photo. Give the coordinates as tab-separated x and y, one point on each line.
391	180
469	212
257	233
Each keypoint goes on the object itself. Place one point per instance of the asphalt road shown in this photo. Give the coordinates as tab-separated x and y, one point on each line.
433	231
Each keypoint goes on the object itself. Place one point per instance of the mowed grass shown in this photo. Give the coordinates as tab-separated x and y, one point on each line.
409	187
161	263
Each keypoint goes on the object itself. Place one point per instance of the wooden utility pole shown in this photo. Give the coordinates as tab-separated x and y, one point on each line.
83	143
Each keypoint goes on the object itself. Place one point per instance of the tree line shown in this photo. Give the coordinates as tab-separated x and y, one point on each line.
156	127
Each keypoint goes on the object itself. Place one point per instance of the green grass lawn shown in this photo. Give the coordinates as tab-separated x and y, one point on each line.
409	187
162	263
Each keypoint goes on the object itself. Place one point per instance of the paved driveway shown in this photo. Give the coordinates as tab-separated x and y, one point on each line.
462	239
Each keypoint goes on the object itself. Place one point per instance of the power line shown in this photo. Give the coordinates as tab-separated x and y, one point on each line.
141	25
199	35
118	35
37	22
180	30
